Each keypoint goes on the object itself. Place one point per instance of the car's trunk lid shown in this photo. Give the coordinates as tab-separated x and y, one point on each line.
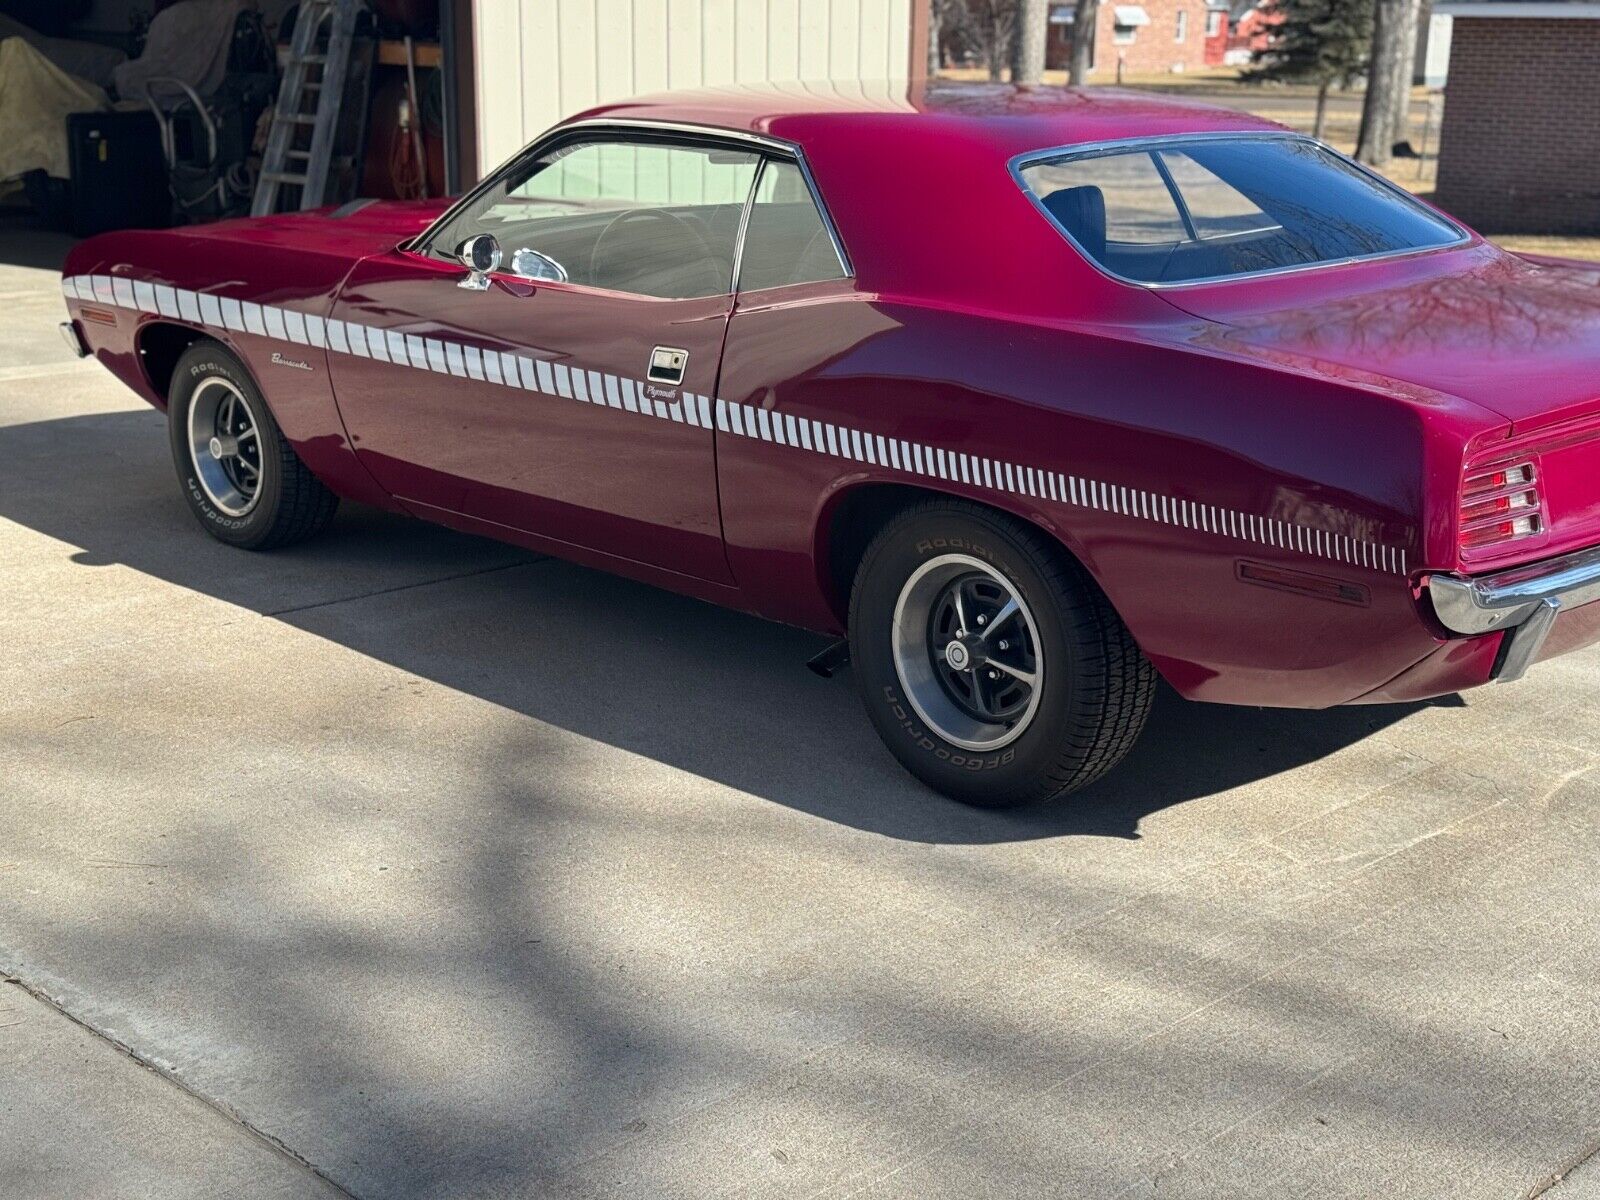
1518	337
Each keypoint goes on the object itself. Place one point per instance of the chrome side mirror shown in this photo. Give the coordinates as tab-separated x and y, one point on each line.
479	255
530	264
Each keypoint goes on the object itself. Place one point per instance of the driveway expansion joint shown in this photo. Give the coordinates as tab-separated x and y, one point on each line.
9	977
405	587
1556	1178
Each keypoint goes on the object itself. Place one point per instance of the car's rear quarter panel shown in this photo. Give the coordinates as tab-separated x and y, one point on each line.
1161	467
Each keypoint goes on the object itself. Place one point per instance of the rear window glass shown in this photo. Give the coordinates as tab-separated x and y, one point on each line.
1213	208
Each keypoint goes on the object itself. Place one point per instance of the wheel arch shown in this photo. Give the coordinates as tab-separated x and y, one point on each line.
852	516
160	344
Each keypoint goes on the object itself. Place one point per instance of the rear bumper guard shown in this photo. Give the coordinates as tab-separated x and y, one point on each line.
1524	601
74	339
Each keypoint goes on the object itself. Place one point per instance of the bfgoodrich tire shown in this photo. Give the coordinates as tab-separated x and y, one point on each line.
990	663
242	479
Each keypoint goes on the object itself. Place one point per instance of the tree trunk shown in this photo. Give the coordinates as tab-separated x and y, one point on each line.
1377	111
935	56
1405	69
997	55
1027	63
1322	109
997	41
1083	23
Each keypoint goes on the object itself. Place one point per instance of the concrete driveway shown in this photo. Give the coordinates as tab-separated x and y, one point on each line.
406	865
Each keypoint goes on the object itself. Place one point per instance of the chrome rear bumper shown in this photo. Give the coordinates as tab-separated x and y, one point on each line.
1525	600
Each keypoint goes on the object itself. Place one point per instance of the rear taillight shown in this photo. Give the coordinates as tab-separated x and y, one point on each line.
1500	505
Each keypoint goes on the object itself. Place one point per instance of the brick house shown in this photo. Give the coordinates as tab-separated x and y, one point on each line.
1519	150
1250	29
1145	37
1218	24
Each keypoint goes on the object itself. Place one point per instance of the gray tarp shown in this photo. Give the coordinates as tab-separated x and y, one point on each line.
189	41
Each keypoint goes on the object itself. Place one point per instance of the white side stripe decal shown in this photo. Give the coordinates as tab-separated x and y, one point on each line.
740	420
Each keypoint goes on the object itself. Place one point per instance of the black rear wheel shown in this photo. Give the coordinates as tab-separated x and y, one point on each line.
990	663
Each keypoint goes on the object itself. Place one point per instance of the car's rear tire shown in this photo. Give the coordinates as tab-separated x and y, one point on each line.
955	609
242	479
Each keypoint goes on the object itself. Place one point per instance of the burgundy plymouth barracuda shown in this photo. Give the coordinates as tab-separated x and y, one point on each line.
1035	397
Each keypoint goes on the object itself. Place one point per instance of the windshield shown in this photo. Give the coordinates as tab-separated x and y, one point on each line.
1211	208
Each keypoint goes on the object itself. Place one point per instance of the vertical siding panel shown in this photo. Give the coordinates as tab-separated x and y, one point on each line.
783	39
872	56
844	37
813	39
897	63
650	45
498	52
684	69
615	54
576	46
750	41
539	80
539	61
614	80
717	44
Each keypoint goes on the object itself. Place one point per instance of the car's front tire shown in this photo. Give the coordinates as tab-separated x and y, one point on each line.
242	479
990	663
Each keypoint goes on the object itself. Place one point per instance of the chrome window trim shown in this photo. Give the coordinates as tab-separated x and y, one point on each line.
744	221
1123	145
761	142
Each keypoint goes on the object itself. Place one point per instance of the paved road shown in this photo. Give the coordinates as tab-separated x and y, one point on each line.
403	865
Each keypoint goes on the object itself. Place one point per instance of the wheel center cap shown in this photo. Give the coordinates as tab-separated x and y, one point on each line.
215	447
963	654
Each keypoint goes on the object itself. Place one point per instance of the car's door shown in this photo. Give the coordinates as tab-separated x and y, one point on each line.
568	393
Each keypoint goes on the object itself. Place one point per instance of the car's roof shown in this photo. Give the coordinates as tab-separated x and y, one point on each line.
915	177
1008	119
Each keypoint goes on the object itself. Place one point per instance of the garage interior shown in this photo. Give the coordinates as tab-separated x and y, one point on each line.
122	114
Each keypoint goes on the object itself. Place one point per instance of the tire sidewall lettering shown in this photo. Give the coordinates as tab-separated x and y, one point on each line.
937	747
194	375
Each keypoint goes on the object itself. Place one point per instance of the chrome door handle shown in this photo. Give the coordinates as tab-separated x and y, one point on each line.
667	365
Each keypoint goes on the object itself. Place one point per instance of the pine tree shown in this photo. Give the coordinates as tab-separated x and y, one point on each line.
1325	42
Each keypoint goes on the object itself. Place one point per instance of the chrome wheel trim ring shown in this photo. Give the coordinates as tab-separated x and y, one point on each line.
225	446
915	654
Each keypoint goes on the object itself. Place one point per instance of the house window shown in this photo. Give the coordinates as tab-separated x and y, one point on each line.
1126	19
1182	30
1213	22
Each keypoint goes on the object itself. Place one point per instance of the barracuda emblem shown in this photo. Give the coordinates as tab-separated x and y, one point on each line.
279	360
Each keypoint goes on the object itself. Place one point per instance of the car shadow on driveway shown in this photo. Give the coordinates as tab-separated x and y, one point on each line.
715	693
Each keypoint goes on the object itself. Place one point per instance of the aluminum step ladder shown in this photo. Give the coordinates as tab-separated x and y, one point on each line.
317	70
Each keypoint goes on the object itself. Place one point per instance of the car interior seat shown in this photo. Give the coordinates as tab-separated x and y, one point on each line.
1082	213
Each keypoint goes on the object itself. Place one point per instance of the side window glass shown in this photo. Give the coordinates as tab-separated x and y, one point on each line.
786	241
641	217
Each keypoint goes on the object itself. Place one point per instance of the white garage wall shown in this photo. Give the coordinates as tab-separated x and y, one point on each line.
537	61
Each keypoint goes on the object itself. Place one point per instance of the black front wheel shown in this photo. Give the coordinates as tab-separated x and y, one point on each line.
990	663
242	479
